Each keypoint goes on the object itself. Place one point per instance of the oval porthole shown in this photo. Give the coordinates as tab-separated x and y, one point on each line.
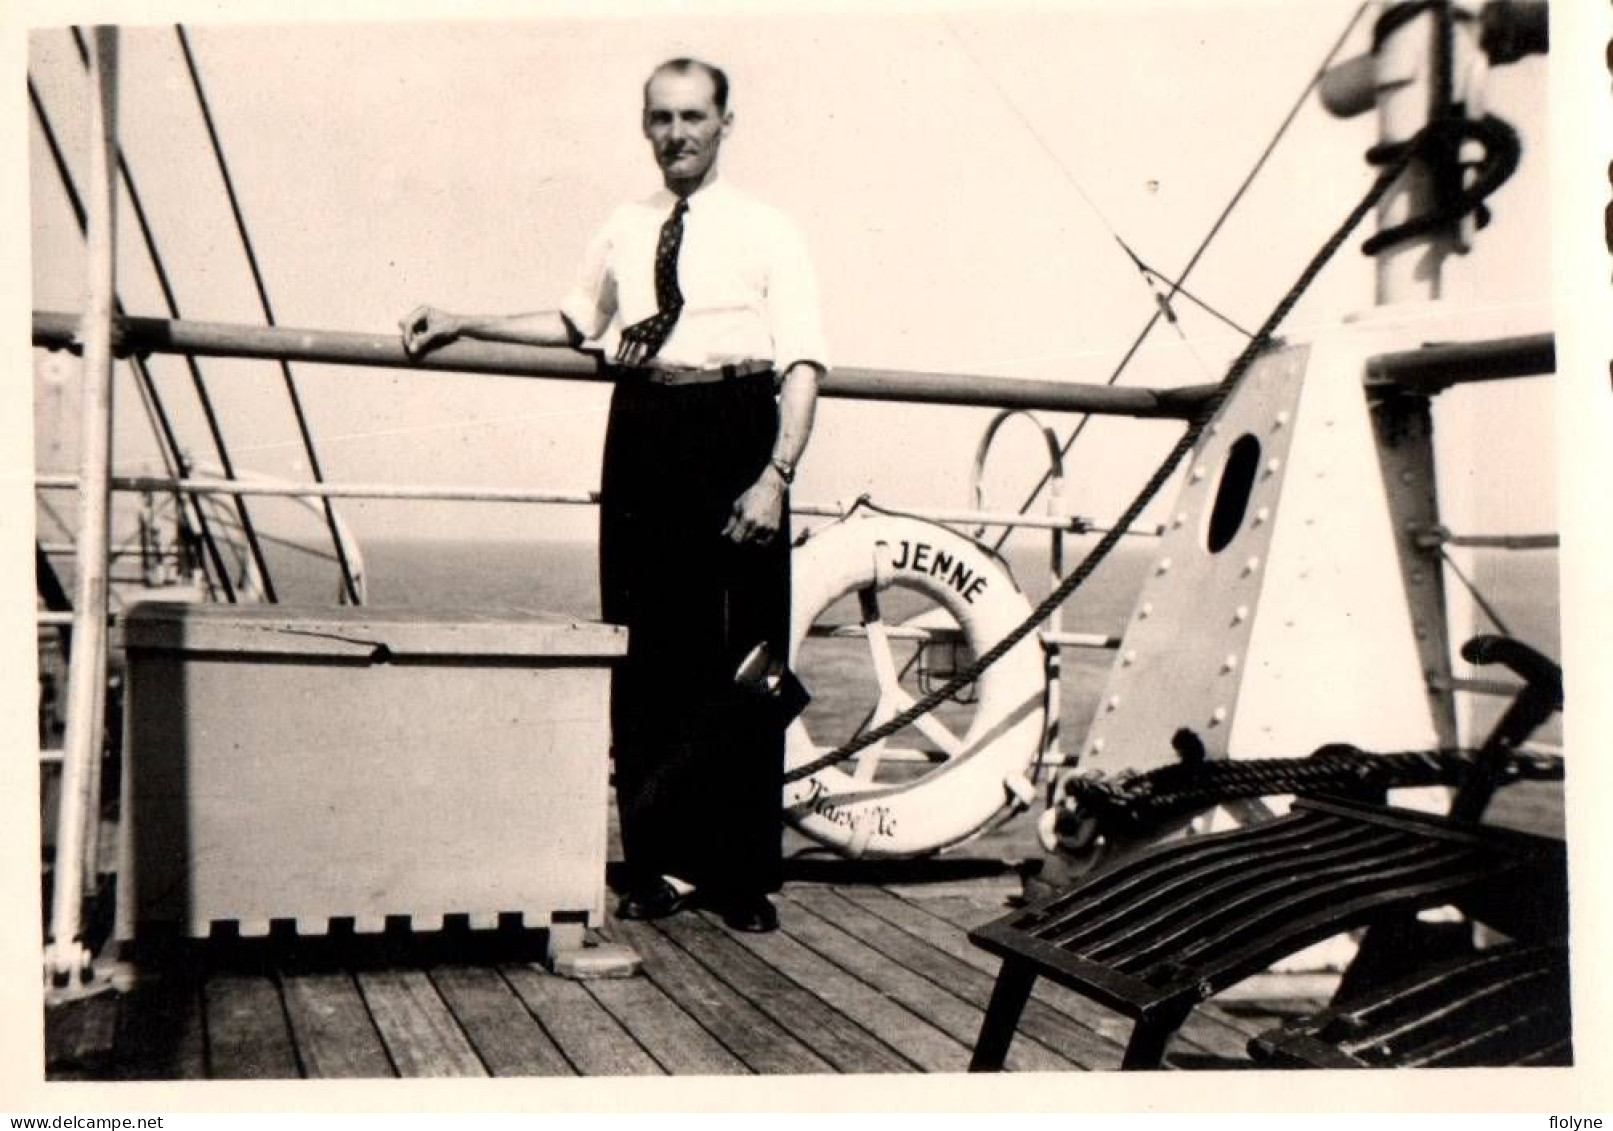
1232	495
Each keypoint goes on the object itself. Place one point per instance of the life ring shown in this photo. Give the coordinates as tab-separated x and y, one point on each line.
984	770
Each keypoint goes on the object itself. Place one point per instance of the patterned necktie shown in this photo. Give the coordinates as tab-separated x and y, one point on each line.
642	340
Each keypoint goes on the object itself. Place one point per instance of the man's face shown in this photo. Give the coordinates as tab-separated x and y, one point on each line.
684	127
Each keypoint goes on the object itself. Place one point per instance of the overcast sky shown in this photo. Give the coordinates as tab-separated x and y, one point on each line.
956	171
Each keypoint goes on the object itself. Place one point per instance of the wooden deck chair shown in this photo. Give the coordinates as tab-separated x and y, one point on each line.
1171	927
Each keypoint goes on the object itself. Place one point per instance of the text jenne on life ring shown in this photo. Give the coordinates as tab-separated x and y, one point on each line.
921	557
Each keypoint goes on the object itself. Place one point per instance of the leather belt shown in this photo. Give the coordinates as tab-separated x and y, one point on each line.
661	376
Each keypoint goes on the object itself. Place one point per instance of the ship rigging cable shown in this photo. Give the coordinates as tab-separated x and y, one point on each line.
1204	246
349	585
1156	481
167	440
248	530
1143	270
1431	143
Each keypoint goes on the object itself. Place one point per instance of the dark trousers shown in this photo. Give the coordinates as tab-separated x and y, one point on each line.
698	764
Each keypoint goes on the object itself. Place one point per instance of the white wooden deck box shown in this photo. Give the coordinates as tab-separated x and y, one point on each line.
307	764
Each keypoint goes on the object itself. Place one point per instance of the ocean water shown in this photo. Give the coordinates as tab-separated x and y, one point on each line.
562	577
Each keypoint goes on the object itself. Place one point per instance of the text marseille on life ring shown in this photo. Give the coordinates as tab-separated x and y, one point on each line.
961	795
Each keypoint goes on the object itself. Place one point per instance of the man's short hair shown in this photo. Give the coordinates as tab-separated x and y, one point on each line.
682	66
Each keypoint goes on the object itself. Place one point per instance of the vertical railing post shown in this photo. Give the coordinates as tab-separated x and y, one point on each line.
66	956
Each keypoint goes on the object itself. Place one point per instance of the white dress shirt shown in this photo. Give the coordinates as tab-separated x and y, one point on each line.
749	291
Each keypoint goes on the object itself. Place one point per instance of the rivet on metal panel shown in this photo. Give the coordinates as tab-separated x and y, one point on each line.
1097	746
1197	474
1146	610
1408	477
1129	658
1251	566
1272	465
1218	716
1230	664
1180	519
1164	566
1114	703
1416	576
1262	516
1240	614
1282	419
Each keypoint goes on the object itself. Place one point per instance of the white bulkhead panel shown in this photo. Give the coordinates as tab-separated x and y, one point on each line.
1274	618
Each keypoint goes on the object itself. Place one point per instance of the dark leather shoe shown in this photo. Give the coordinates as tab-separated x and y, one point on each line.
751	913
653	901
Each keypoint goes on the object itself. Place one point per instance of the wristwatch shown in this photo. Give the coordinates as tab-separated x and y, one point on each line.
786	470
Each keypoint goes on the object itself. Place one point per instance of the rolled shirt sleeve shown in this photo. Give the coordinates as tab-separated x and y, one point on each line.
794	316
592	300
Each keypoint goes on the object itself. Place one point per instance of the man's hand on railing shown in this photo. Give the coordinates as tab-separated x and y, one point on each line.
425	328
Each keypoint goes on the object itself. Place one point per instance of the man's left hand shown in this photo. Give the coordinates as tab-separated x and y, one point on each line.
757	513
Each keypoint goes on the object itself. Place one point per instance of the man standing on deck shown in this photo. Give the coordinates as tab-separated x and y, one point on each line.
706	301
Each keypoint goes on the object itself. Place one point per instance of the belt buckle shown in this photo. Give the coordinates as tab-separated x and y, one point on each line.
664	375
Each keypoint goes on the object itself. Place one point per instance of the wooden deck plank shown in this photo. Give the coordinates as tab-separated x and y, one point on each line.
866	953
671	1036
80	1037
420	1033
759	1041
247	1034
1207	1029
592	1040
833	1036
160	1034
944	922
864	1001
332	1027
506	1036
1056	1031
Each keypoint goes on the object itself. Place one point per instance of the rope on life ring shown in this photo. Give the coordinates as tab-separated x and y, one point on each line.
984	771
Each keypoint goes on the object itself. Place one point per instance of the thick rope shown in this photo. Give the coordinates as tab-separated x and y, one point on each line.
1138	800
1256	346
1439	145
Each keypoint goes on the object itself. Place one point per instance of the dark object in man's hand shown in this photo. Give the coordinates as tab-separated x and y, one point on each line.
773	683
